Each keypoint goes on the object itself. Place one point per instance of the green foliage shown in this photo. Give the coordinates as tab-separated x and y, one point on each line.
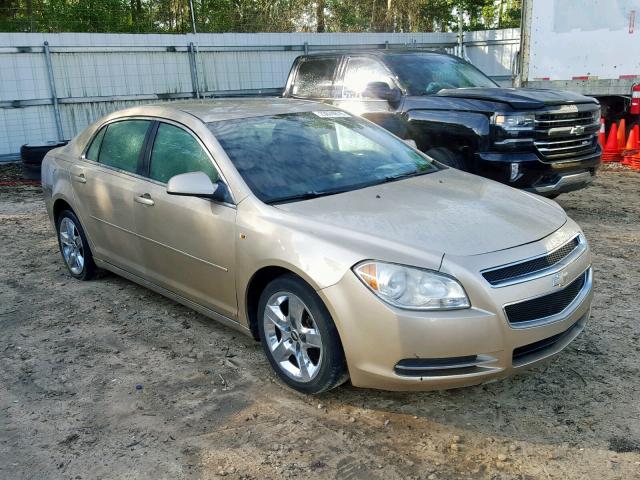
174	16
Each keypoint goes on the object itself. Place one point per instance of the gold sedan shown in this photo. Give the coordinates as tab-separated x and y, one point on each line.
345	251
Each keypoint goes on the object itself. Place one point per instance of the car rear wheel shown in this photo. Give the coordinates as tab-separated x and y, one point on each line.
74	246
299	337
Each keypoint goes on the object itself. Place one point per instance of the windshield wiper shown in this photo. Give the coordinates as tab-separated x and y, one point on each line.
398	176
309	194
305	196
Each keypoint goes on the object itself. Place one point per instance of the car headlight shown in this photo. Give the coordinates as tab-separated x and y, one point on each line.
412	288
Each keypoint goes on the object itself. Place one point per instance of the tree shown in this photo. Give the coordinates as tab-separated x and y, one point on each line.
173	16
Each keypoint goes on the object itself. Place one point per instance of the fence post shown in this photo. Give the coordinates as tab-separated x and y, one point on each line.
52	87
194	70
306	48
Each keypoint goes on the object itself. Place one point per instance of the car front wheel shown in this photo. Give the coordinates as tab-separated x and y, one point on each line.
299	337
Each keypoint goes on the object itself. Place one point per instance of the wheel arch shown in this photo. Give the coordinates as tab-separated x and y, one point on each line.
256	285
60	205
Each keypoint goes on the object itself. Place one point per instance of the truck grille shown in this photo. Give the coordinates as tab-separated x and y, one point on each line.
547	305
554	139
518	270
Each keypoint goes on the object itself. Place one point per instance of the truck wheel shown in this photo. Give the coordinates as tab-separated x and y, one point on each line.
447	157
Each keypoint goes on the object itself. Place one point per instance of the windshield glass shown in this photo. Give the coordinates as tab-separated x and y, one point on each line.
427	73
304	155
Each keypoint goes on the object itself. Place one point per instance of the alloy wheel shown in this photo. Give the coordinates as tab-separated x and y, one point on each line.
292	336
72	246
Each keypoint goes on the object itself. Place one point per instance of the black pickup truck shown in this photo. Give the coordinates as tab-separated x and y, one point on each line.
544	141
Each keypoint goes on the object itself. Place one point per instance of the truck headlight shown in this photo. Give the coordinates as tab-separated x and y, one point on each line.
515	122
412	288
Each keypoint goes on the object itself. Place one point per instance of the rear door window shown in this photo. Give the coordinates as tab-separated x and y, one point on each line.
176	151
122	144
315	78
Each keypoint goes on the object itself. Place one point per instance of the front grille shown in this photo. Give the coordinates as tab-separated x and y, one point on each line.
536	347
553	137
566	146
547	305
512	272
544	121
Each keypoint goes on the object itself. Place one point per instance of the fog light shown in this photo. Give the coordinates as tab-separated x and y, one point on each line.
515	171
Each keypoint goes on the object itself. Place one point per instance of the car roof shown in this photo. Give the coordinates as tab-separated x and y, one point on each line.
213	110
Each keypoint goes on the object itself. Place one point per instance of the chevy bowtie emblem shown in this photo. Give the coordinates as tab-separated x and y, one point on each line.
559	279
577	130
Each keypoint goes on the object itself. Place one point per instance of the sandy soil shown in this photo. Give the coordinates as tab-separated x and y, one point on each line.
72	354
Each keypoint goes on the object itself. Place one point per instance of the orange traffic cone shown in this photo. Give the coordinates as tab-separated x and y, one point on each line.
611	151
632	147
601	134
622	132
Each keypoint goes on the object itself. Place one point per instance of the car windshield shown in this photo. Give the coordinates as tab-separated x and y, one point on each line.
299	156
428	73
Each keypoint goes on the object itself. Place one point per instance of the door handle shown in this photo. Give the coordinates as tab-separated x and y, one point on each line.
80	178
145	199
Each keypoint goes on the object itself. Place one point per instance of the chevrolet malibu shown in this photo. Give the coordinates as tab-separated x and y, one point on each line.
346	252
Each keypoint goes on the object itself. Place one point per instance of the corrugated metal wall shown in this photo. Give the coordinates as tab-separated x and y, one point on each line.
94	74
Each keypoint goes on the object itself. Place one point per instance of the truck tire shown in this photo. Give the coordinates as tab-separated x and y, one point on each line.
447	157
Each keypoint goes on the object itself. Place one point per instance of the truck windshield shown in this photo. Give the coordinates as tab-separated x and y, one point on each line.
299	156
428	73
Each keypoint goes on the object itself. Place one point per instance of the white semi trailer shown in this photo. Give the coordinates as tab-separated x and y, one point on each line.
586	46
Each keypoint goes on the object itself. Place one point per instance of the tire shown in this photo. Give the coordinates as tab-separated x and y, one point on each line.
34	154
299	335
447	157
74	246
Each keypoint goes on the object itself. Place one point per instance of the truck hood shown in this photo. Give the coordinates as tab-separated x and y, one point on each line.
518	98
449	212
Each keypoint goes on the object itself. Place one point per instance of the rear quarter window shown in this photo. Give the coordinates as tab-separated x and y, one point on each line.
94	149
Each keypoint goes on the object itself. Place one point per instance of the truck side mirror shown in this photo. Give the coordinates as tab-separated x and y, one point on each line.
382	91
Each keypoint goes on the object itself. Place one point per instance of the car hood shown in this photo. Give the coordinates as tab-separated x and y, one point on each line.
518	98
449	212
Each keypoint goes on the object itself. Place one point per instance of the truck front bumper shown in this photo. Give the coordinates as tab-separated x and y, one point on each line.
528	172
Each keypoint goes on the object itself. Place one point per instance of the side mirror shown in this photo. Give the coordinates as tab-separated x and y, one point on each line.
194	184
383	91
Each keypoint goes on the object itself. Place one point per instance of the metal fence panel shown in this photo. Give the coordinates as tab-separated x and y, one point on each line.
94	74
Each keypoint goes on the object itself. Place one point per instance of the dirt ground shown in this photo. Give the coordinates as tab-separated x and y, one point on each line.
105	379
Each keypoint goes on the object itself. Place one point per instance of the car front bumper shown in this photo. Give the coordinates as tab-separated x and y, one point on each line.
393	349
